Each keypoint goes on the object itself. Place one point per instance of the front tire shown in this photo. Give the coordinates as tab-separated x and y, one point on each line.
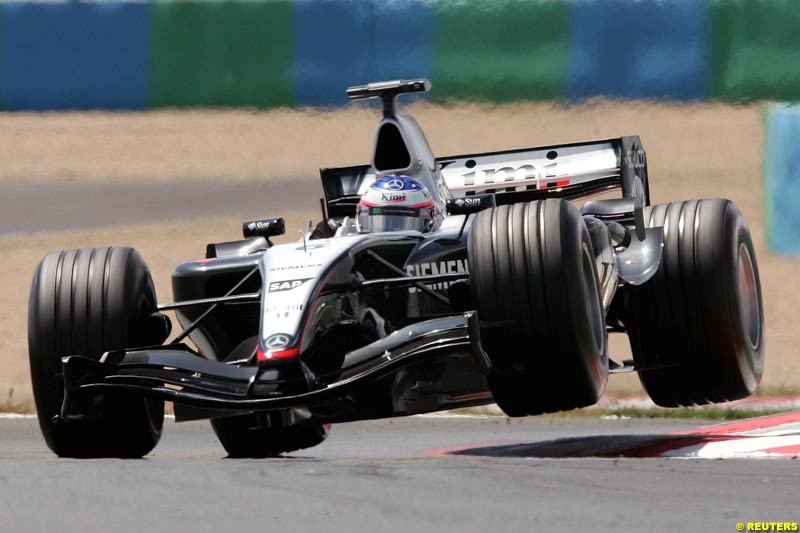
533	277
86	302
699	322
242	437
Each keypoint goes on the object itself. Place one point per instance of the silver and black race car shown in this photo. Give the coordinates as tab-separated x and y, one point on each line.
493	287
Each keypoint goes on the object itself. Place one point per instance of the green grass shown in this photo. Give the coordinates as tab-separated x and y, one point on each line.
705	413
777	390
689	413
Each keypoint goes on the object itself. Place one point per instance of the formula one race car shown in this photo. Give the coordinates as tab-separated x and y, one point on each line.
429	284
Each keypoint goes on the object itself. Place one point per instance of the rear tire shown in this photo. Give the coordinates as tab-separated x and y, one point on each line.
242	438
86	302
533	274
701	315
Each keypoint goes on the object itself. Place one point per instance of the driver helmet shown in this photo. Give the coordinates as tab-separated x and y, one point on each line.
394	203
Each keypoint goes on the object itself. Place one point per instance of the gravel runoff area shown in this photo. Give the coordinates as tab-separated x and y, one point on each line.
701	150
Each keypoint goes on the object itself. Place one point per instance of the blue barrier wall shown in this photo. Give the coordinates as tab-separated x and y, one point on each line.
782	178
123	54
645	49
341	43
73	55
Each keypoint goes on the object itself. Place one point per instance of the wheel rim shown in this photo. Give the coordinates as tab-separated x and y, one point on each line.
591	291
749	306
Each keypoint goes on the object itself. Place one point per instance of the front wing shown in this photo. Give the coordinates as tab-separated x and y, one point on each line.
176	373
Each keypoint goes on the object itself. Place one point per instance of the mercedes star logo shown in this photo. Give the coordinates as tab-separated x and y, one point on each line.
277	341
395	184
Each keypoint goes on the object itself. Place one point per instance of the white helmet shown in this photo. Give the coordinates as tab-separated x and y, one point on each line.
395	202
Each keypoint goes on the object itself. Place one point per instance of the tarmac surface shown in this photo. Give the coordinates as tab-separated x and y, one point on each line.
41	206
393	476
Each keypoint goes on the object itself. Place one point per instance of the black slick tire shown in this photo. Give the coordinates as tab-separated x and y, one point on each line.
242	437
533	281
699	322
86	302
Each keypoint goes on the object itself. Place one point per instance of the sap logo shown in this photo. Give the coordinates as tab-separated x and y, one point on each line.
454	266
393	197
287	285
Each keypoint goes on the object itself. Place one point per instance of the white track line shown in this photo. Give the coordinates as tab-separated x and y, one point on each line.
752	447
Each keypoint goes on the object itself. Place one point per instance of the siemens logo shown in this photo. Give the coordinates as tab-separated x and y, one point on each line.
455	266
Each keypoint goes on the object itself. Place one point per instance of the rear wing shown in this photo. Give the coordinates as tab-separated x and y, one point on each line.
569	171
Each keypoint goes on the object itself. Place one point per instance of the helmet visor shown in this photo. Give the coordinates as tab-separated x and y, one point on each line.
394	218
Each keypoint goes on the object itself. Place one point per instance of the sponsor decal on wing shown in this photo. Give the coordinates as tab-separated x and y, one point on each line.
532	169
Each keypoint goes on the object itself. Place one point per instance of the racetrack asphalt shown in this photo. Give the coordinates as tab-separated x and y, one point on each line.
368	476
43	206
378	476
